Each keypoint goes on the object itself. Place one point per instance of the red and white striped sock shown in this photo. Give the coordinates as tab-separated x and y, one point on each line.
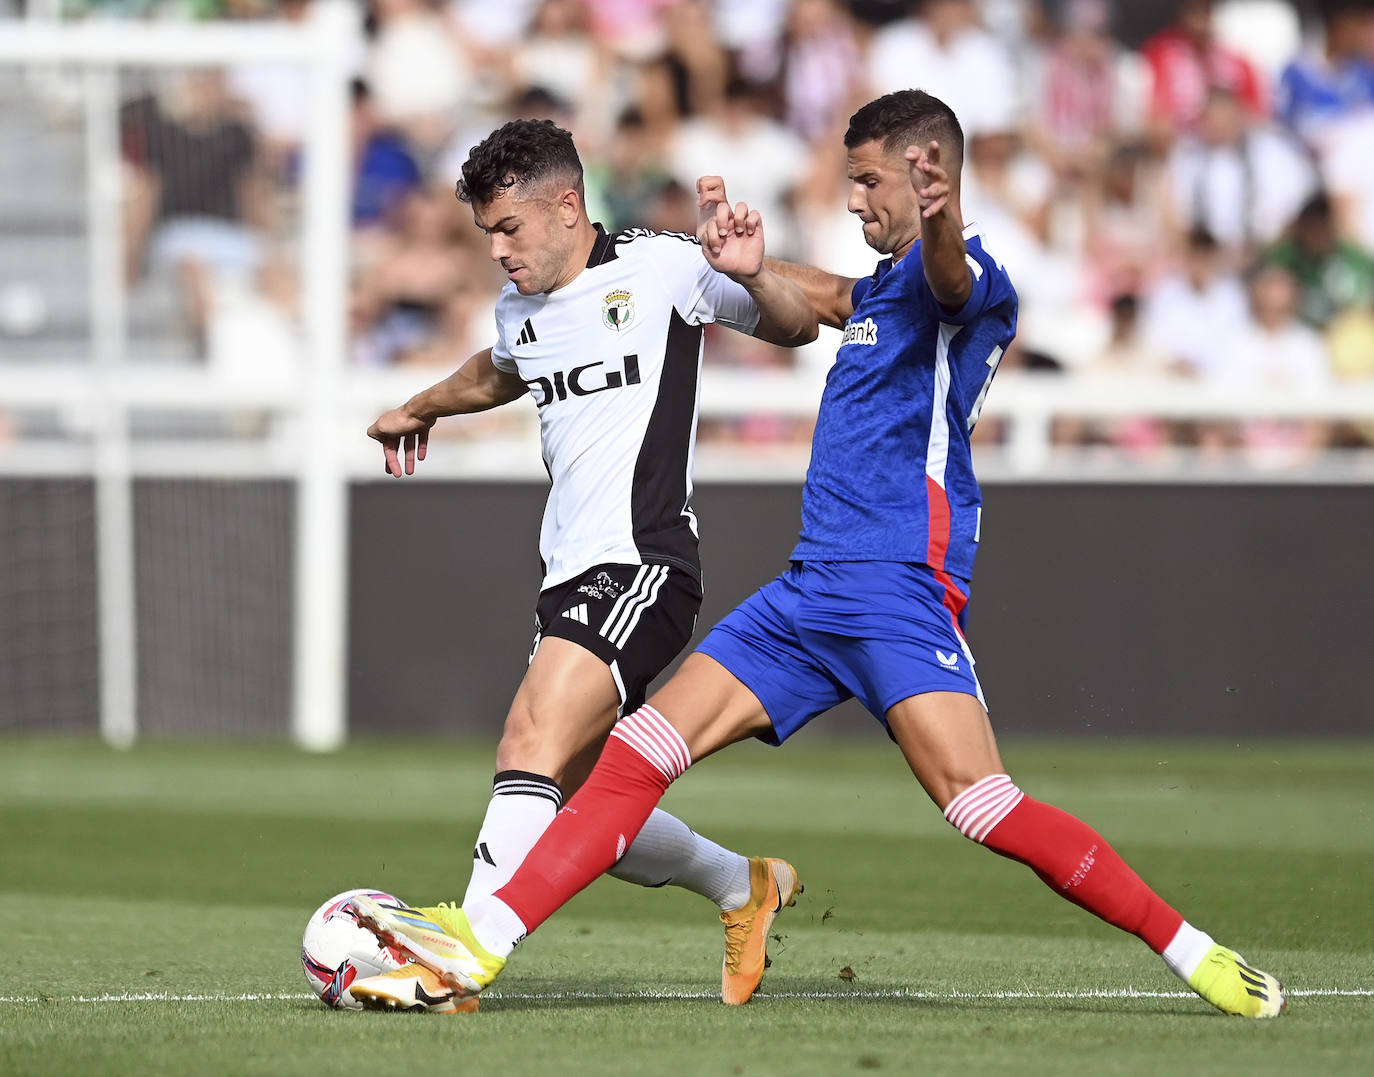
1068	855
642	757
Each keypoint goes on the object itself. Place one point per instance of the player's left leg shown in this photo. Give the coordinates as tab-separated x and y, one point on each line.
603	637
949	744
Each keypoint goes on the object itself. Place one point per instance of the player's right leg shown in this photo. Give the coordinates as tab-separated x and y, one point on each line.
949	745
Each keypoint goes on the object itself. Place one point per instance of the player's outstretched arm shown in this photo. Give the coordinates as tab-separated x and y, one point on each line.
830	295
732	242
942	232
477	385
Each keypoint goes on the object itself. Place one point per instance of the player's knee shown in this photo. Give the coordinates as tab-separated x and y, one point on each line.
526	745
979	806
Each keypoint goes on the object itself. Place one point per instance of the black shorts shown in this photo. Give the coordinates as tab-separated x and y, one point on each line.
635	618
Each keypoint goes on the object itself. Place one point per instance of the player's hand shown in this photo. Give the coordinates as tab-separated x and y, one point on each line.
401	432
928	178
733	241
710	193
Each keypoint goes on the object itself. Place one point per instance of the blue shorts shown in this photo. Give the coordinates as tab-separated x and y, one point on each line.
825	631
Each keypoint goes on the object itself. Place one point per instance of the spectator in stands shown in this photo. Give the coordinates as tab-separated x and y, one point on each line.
560	56
278	94
385	172
1089	93
1240	180
1332	274
1348	166
1035	224
1187	65
821	72
398	302
462	325
950	55
1194	316
1320	89
197	205
418	69
492	29
693	61
742	142
1129	354
630	175
1129	223
1005	177
672	208
1274	352
633	29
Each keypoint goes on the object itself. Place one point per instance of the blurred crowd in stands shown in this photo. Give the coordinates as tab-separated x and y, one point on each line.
1192	200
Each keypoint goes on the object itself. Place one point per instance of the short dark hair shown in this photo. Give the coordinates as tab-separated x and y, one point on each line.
1200	238
1316	210
905	118
519	154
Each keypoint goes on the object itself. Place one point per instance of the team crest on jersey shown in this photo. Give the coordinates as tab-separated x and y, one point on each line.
618	309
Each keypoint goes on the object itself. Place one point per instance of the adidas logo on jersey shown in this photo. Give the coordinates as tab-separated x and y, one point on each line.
864	332
526	334
949	661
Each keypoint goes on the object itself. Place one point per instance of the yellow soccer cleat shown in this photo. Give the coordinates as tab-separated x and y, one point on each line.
438	937
411	987
773	885
1232	986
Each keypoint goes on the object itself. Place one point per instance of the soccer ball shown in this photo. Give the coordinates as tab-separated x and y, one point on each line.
336	950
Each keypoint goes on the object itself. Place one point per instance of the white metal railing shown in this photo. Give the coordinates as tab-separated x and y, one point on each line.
106	390
1028	403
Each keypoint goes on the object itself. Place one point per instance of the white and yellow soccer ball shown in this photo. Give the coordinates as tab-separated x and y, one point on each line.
336	950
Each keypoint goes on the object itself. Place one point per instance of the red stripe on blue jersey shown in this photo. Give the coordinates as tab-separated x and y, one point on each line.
937	545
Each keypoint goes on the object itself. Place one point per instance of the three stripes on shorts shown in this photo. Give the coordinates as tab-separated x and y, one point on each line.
629	607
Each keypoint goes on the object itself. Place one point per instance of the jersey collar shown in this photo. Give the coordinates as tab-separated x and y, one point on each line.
603	249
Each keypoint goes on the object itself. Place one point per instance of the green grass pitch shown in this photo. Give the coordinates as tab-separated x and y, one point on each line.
154	902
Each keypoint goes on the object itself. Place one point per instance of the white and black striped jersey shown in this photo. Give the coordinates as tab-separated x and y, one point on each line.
613	362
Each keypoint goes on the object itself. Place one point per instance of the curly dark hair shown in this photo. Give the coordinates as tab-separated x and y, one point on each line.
906	118
519	154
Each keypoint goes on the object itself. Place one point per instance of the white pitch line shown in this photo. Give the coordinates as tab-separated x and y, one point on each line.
554	996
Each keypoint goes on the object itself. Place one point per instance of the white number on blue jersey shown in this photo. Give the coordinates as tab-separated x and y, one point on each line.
993	360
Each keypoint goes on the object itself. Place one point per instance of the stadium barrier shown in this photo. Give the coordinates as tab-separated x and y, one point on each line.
130	456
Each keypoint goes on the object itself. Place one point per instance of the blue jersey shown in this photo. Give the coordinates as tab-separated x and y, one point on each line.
1312	93
891	475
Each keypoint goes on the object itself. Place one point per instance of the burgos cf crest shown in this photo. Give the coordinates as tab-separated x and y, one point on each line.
618	309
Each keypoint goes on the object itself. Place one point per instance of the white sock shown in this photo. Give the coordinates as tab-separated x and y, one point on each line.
521	809
1185	953
668	852
494	925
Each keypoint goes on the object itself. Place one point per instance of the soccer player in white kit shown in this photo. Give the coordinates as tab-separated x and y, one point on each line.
604	332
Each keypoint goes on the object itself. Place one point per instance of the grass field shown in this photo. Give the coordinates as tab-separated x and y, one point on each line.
155	899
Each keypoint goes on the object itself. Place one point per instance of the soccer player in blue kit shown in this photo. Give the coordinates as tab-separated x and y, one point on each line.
873	604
